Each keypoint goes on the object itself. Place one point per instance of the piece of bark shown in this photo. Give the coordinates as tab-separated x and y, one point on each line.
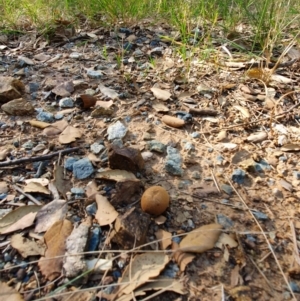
131	228
203	112
125	158
127	192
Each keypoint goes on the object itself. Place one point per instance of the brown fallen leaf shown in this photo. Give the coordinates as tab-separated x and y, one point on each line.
87	101
70	134
55	239
142	268
164	237
160	94
110	93
39	124
50	214
201	239
27	247
62	185
20	218
116	175
3	153
8	293
35	187
106	213
55	128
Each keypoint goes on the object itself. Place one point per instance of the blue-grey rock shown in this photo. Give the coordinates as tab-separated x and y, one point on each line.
78	191
190	223
224	201
66	102
156	146
33	87
210	150
116	131
127	119
296	175
118	142
196	175
171	270
82	169
28	145
173	162
195	135
96	148
116	274
238	176
176	239
45	117
76	55
127	46
227	189
189	146
220	160
259	215
125	30
225	221
294	286
59	116
3	196
94	74
94	239
154	43
69	163
187	117
6	257
282	158
91	209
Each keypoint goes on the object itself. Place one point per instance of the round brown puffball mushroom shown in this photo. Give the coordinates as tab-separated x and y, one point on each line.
155	200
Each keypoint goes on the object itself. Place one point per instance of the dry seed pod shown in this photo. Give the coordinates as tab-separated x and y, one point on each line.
155	200
172	121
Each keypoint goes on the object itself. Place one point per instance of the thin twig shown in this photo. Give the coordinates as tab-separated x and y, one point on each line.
33	199
39	158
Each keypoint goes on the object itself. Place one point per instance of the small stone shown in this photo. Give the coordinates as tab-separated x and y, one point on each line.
116	131
282	159
69	163
277	193
220	160
189	146
76	55
118	142
91	209
147	136
131	228
6	257
125	158
294	286
173	163
18	107
195	135
28	145
94	74
156	146
196	175
45	117
66	102
296	175
10	88
78	191
96	148
227	189
59	116
225	221
33	87
94	239
147	156
238	176
259	215
82	169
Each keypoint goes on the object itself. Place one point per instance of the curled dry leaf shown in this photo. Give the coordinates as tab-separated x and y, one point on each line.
173	121
108	92
161	94
42	181
27	247
39	124
87	101
70	134
201	239
257	137
164	237
243	110
50	214
62	185
106	213
18	219
226	240
142	268
36	187
116	175
55	239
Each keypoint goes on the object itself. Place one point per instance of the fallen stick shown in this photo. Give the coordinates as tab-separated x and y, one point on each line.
203	112
38	158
